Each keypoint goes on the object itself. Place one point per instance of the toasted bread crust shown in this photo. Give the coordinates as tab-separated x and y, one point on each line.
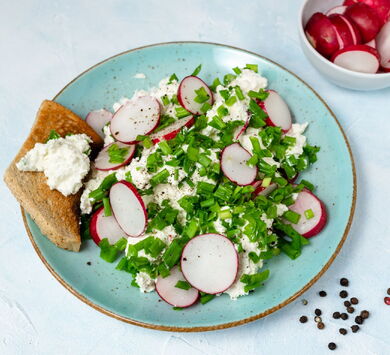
56	215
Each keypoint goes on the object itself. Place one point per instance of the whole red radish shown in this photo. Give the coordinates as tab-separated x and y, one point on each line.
366	20
322	35
381	7
346	29
383	46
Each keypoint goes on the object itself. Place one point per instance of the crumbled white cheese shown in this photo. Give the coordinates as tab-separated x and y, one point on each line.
296	131
108	138
64	161
271	161
266	220
92	184
219	227
280	209
145	282
249	80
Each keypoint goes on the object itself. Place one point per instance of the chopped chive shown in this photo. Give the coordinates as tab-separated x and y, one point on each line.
237	70
184	285
165	100
225	214
146	141
201	95
228	78
159	178
261	94
193	153
309	213
204	160
292	216
205	187
97	194
207	203
176	176
174	100
307	184
181	112
253	67
289	140
231	101
197	70
107	207
116	155
215	84
52	135
206	298
204	108
239	93
164	146
252	161
222	111
255	144
191	228
217	123
172	78
225	94
266	181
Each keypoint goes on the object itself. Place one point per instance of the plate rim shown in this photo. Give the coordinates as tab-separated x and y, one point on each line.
228	324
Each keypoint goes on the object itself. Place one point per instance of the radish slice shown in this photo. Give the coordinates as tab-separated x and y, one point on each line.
277	110
98	119
322	35
234	165
102	227
306	200
383	45
186	94
360	58
136	117
336	10
241	129
209	262
172	130
176	297
366	20
372	43
265	191
348	32
128	208
102	161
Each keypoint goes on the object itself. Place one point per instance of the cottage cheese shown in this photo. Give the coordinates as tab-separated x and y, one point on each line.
64	161
145	282
296	131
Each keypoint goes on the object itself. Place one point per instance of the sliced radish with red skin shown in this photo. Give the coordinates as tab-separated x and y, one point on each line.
172	130
234	165
102	161
347	30
186	94
98	119
102	227
383	45
366	20
306	200
322	35
381	7
265	191
174	296
372	43
336	10
209	262
136	117
128	208
241	129
360	58
277	110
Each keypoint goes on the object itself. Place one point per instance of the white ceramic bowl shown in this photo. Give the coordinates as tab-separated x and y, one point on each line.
338	75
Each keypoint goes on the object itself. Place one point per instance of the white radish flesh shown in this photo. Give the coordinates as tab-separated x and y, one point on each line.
305	201
102	161
336	10
241	129
372	43
234	165
175	296
209	262
172	130
105	227
136	117
383	45
128	208
277	110
186	94
98	119
360	58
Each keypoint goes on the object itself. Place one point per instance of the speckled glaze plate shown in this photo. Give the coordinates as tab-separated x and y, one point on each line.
108	290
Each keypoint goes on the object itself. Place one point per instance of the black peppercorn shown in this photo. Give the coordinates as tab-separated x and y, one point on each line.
320	325
355	328
343	331
344	316
322	293
388	291
354	300
332	346
303	319
336	315
359	319
343	294
364	314
350	309
317	312
347	303
344	282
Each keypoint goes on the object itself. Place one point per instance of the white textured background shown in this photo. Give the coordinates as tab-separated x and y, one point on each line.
44	44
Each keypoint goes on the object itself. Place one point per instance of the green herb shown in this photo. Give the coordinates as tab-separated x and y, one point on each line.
252	161
174	100
231	101
224	93
107	207
222	111
165	100
228	78
165	121
164	146
204	108
172	254
253	67
307	184
184	285
215	83
117	155
193	153
173	78
239	93
205	297
181	112
261	94
237	70
217	123
204	187
191	228
146	141
110	252
253	281
309	214
292	216
197	70
159	178
225	214
201	95
52	135
177	308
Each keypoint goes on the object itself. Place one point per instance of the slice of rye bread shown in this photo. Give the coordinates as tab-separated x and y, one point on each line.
56	215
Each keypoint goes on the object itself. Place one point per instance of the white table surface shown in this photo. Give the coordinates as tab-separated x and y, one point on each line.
44	44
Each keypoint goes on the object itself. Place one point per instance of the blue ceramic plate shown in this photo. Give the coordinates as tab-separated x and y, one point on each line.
108	290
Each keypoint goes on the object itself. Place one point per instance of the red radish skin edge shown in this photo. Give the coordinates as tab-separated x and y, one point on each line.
140	200
228	176
98	128
201	235
171	135
346	29
336	10
179	93
92	226
321	223
381	7
127	161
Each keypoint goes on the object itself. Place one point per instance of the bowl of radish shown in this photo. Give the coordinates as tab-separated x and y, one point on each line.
348	41
208	190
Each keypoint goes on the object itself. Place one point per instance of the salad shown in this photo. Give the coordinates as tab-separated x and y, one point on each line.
196	186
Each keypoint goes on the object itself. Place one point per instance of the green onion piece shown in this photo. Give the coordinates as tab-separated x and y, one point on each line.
207	203
172	78
225	214
222	111
228	78
291	252
215	168
191	228
117	155
215	84
193	153
239	93
172	254
181	112
204	108
197	70
255	144
253	67
204	160
261	94
201	95
224	93
184	285
266	181
231	101
109	252
309	214
146	141
217	123
165	100
255	280
52	135
205	297
289	140
97	195
237	70
164	146
174	100
254	257
108	181
204	187
223	192
159	178
165	121
121	244
163	270
307	184
107	207
252	161
177	308
292	216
